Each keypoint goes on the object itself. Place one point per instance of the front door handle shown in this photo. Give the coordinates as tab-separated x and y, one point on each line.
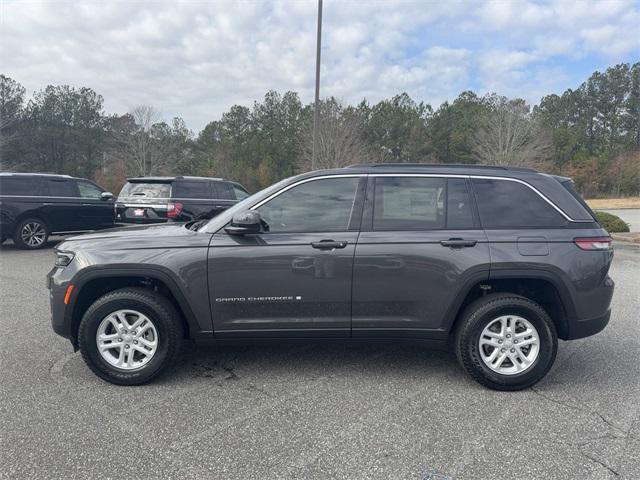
328	244
458	243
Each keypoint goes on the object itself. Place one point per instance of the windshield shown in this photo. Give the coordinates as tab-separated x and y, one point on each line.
146	190
216	223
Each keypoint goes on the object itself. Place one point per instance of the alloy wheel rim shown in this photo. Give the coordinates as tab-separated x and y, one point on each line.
509	345
127	339
33	234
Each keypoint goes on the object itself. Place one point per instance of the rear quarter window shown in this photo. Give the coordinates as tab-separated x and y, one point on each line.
509	204
192	190
20	186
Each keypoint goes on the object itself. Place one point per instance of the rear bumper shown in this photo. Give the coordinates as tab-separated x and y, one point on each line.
586	328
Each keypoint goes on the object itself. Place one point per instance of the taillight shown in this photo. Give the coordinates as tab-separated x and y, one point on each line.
596	243
174	209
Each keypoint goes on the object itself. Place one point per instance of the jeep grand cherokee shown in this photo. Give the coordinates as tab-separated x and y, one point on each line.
497	263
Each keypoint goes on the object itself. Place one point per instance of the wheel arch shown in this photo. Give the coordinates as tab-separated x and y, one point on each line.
543	287
34	214
91	285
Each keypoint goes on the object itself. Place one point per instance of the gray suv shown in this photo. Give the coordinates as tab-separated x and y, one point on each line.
495	263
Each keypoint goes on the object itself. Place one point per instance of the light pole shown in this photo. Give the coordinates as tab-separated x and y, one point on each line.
316	109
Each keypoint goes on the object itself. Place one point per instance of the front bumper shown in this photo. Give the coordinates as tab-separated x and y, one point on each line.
61	313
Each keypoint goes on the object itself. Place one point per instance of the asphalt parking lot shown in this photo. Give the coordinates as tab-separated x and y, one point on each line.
316	411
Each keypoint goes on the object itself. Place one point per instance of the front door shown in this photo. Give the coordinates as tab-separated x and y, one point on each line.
420	247
294	279
95	213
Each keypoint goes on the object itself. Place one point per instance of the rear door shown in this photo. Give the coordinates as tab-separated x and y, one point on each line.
420	247
96	213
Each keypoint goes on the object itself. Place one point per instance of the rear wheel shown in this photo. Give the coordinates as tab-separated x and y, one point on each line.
130	336
31	233
506	342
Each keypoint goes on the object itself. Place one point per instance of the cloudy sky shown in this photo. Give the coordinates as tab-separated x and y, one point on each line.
196	58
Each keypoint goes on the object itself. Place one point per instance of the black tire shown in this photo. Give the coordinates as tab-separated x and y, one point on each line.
161	313
25	245
478	315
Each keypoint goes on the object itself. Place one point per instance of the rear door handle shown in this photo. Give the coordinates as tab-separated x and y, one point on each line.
328	244
458	243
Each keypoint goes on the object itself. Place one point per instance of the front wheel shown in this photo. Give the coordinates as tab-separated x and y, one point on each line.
130	336
506	341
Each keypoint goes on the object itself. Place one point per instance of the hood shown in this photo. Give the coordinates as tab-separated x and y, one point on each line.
137	237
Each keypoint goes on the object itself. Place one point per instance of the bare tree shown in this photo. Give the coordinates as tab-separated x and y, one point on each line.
510	135
340	138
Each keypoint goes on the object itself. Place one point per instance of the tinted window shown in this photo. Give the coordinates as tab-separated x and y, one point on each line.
508	204
192	190
316	206
146	190
61	188
241	193
88	190
421	203
18	186
458	204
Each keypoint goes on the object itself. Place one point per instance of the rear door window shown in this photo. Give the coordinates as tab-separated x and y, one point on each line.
146	190
510	204
62	188
421	203
193	190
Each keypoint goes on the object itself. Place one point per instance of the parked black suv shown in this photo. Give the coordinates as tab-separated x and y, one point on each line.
160	199
35	205
498	263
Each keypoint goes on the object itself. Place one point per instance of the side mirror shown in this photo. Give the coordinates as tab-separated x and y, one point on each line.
106	196
244	223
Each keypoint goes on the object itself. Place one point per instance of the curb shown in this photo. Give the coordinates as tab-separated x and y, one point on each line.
627	237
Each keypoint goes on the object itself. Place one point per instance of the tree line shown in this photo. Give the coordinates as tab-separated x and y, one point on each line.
591	133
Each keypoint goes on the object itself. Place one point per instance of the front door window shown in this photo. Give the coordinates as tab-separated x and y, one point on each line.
318	206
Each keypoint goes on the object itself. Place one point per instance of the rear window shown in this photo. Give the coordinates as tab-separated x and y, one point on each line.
509	204
18	186
146	190
192	190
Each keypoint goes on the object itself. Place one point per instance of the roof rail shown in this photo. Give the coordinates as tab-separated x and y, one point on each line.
442	165
50	174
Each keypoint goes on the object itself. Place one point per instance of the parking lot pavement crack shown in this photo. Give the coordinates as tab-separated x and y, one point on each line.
583	409
601	463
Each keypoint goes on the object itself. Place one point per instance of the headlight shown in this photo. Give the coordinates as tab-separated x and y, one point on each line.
64	258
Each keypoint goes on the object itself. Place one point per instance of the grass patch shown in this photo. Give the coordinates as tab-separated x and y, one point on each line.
606	203
611	223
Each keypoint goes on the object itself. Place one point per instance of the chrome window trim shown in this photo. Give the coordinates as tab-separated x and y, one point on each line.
50	196
482	177
300	182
